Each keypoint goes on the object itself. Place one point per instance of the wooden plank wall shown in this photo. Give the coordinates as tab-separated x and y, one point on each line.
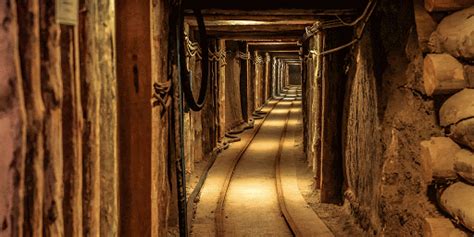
59	120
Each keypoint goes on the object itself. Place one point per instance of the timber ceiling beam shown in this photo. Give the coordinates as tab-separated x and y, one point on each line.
285	48
275	14
275	5
258	34
280	27
261	38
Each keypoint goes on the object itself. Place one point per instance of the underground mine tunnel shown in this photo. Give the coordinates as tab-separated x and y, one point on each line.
237	118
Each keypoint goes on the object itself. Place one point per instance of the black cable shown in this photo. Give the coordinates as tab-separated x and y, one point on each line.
185	78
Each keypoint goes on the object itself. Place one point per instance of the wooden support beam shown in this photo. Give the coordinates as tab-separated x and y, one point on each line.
109	162
276	28
12	126
255	34
29	44
248	14
262	38
447	5
52	88
161	125
135	120
221	88
91	91
72	117
268	66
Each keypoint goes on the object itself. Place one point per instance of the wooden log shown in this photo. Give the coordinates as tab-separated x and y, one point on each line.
463	132
458	107
442	74
160	119
221	87
109	193
447	5
72	132
12	126
425	25
469	75
464	165
52	88
441	227
458	201
438	158
454	35
29	45
91	91
134	87
268	60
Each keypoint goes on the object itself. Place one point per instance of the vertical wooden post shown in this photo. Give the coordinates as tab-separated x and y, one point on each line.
52	87
221	88
333	88
109	193
243	83
268	75
72	131
12	126
255	81
91	104
30	57
316	106
250	85
161	193
134	81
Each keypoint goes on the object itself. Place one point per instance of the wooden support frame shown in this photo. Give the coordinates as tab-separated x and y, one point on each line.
134	82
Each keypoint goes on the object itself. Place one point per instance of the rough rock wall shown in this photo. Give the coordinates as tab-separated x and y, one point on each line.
384	106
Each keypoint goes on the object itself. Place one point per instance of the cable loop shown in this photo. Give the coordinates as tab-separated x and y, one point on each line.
192	48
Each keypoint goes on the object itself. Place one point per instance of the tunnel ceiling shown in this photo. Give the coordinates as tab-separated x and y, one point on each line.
267	26
270	24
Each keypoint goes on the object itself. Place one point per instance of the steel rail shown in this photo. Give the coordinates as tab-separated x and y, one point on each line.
219	211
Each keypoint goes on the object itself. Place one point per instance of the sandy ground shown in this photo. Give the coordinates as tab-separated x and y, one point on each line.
251	206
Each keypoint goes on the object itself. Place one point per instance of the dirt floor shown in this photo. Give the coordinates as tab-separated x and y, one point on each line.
251	199
337	218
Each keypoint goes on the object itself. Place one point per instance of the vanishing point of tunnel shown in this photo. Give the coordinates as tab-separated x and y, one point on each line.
236	118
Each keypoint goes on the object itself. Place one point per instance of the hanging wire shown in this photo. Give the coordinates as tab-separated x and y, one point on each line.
185	78
319	26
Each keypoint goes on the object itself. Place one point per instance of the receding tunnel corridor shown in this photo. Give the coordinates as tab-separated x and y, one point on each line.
237	118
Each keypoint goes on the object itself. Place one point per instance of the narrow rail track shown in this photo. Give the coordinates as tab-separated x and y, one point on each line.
220	210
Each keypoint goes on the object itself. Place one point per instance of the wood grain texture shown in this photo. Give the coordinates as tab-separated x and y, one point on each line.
29	45
109	162
72	125
52	93
134	81
91	95
12	126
